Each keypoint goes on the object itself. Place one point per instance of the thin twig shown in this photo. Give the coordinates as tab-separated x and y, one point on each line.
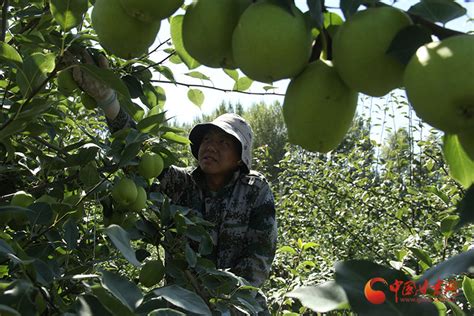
216	88
439	31
155	64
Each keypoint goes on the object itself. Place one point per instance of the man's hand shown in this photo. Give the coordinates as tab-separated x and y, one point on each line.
90	85
105	97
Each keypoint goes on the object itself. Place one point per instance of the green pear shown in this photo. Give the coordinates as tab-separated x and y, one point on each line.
66	83
119	33
467	142
140	202
439	83
151	165
125	192
151	10
152	272
207	30
88	101
22	199
360	46
269	43
318	108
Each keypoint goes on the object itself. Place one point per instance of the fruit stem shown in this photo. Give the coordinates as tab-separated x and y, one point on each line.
326	53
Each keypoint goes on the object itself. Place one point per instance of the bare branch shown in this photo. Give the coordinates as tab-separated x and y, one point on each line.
215	88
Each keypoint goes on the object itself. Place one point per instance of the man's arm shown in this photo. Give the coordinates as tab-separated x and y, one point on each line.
255	263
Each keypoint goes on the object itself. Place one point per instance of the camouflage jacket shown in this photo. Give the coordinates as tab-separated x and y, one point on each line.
243	212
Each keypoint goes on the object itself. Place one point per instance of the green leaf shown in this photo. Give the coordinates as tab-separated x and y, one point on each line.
134	86
234	74
129	153
110	302
321	298
33	72
198	75
184	299
151	122
34	108
165	71
89	175
5	248
448	224
191	257
121	240
85	154
287	249
44	273
461	167
68	13
8	311
407	41
153	96
442	309
461	263
309	245
176	26
71	234
9	55
266	88
422	255
196	96
123	289
176	138
108	77
332	19
40	213
243	84
456	310
13	127
91	306
465	207
300	243
165	312
468	289
438	10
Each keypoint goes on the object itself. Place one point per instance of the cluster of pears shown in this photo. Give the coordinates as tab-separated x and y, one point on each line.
321	101
264	40
269	42
132	197
127	28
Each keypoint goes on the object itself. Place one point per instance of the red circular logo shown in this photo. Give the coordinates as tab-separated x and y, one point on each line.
374	296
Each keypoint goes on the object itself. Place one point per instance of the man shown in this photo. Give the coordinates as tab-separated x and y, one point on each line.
222	188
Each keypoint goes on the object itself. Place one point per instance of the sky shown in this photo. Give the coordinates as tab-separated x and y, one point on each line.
182	110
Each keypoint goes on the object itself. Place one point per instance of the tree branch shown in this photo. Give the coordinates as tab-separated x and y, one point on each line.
215	88
439	31
4	20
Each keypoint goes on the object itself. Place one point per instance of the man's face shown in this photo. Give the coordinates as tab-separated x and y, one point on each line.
218	153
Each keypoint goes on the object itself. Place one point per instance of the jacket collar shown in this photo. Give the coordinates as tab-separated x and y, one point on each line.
200	179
